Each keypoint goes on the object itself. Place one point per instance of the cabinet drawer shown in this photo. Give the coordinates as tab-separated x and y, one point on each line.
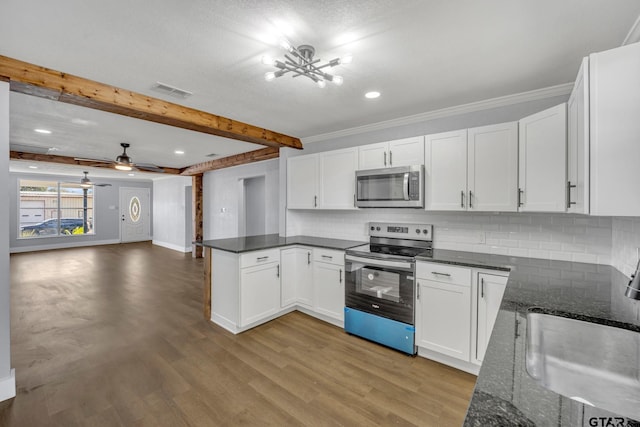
259	257
328	256
443	273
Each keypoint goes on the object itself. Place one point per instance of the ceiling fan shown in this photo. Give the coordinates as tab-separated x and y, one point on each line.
124	162
85	182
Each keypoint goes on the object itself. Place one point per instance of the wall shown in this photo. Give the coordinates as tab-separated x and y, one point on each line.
170	223
107	215
7	380
221	198
625	244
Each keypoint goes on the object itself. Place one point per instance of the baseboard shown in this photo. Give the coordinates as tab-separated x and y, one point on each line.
449	361
324	318
8	386
172	246
224	323
65	245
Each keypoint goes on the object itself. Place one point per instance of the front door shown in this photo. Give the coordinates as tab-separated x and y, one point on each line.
134	214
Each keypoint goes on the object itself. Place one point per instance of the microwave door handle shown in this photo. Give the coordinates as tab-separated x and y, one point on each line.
406	186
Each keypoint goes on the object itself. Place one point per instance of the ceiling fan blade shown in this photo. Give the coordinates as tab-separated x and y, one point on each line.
151	168
102	185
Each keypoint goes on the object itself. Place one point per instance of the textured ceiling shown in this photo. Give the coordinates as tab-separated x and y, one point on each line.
422	55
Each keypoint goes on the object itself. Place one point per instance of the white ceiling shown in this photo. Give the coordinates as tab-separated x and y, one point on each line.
421	55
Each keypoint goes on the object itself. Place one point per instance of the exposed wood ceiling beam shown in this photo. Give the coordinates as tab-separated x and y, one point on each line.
18	155
227	162
45	83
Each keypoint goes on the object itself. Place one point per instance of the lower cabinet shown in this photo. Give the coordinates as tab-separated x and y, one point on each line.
490	289
328	283
259	292
297	277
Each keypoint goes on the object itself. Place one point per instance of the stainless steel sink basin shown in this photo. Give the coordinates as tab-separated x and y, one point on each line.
594	364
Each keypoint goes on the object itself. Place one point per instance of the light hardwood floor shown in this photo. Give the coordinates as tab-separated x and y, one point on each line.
114	335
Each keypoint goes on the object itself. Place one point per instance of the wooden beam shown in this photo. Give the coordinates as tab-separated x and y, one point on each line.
19	155
227	162
197	214
39	81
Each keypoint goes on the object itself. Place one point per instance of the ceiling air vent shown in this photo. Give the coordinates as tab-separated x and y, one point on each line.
166	89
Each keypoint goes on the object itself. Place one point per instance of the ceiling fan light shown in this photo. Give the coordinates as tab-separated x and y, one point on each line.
123	167
269	76
267	60
338	80
321	83
347	59
284	43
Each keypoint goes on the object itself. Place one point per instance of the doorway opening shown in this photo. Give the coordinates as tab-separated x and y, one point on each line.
252	209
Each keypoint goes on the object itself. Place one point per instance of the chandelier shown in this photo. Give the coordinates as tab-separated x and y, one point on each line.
300	62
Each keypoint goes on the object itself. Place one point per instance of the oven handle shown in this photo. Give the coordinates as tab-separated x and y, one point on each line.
379	262
406	186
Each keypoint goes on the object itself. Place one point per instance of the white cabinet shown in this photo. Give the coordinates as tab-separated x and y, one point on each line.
543	161
297	277
614	130
578	143
322	181
488	296
328	283
474	169
302	182
259	292
443	309
337	179
401	152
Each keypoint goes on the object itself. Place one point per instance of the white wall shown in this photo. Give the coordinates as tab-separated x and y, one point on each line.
7	380
221	198
170	222
625	244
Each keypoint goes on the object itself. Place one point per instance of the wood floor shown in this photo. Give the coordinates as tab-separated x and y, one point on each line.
114	335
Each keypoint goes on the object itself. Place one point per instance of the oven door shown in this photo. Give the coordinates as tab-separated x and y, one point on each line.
382	287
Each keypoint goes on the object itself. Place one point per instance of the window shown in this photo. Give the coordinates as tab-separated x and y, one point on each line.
51	208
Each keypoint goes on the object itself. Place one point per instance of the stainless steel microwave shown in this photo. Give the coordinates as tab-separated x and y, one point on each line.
400	187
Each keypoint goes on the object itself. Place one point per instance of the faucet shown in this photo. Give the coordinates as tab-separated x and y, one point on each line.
633	288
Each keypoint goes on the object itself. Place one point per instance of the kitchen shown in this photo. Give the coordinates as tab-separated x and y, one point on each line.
609	239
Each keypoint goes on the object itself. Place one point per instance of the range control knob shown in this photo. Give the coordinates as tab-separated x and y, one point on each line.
417	231
425	231
372	228
377	228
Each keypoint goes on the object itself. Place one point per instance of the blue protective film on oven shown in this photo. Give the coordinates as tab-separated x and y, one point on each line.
391	333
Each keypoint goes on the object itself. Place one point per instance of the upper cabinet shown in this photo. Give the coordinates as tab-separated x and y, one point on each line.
614	86
578	143
472	170
402	152
543	161
322	181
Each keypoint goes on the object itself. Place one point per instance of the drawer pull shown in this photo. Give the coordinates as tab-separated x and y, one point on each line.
262	258
327	257
441	274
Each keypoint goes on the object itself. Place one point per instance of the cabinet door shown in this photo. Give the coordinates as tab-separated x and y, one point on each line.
302	177
543	161
446	171
259	292
578	143
304	284
493	168
406	152
328	288
490	291
615	125
373	156
443	318
338	179
290	259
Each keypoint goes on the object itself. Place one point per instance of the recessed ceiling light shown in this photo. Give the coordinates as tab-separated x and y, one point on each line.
131	174
179	152
33	167
45	131
372	94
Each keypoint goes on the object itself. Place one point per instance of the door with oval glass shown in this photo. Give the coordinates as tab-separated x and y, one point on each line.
134	214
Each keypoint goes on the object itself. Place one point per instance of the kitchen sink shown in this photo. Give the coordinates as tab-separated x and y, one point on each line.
592	363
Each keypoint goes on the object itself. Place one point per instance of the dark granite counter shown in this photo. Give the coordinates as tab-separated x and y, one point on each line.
268	241
505	394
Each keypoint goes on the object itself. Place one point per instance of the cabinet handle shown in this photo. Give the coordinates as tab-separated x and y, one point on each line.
418	291
520	193
441	274
278	270
390	158
308	258
340	275
262	258
315	201
569	187
327	257
462	199
385	158
354	200
481	288
470	200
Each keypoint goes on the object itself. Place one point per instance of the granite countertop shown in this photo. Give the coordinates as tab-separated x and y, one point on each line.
268	241
505	394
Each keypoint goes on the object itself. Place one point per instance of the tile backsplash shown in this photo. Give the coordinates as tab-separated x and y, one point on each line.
549	236
625	243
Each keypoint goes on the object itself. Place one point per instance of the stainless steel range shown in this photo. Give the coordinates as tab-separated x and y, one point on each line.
380	284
